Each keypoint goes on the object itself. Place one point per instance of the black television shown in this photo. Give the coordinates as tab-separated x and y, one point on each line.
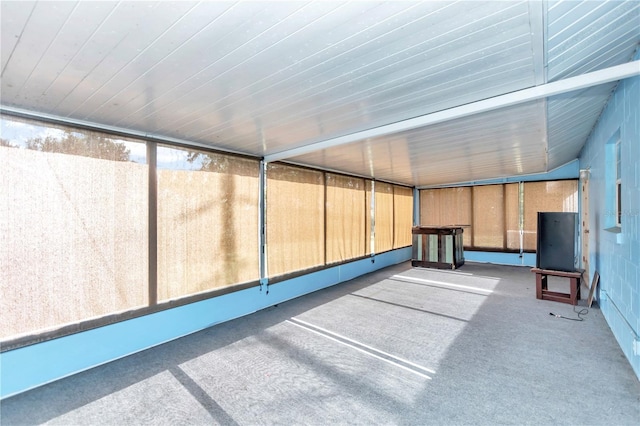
556	242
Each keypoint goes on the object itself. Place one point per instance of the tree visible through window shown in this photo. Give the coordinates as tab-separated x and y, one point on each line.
92	145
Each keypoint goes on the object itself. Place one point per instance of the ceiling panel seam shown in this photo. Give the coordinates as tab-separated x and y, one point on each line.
46	50
338	102
227	71
132	60
18	41
443	87
79	50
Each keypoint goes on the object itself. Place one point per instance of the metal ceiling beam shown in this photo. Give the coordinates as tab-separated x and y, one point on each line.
571	84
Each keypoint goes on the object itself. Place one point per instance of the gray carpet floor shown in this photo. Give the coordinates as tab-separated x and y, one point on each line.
407	346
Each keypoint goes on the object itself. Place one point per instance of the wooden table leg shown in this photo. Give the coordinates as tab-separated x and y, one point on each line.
538	286
575	289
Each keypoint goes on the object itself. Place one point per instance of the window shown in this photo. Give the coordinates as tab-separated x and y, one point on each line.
488	216
295	224
613	184
549	196
502	217
383	228
74	228
448	206
207	221
345	217
402	216
618	185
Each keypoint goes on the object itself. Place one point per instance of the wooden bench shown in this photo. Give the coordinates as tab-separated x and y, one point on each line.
542	292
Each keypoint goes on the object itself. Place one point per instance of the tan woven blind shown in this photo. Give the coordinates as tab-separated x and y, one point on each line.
488	216
295	219
512	215
207	222
73	237
384	217
552	196
447	206
402	216
368	197
346	213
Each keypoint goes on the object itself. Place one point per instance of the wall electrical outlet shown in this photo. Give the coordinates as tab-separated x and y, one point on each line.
636	347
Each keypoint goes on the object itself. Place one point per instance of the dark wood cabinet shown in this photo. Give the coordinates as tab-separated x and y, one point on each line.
437	247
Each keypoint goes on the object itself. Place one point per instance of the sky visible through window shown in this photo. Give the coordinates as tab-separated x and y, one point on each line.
18	132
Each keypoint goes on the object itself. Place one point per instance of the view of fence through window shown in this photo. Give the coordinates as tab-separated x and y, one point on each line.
75	234
74	230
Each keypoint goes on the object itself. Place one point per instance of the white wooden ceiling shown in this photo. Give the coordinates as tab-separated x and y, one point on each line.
263	78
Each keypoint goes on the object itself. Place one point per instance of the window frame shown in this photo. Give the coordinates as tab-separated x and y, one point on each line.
618	183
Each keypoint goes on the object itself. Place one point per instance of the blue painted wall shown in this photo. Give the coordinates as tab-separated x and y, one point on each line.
35	365
616	256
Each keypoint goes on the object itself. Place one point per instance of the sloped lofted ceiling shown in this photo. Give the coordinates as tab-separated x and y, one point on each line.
267	78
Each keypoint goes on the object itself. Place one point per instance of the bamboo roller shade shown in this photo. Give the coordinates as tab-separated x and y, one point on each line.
383	217
346	215
207	227
402	216
295	224
447	206
552	196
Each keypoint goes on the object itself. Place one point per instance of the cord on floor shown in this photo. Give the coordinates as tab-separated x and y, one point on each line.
580	313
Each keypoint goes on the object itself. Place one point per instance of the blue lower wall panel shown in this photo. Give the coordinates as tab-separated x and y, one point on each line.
35	365
295	287
622	330
527	259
